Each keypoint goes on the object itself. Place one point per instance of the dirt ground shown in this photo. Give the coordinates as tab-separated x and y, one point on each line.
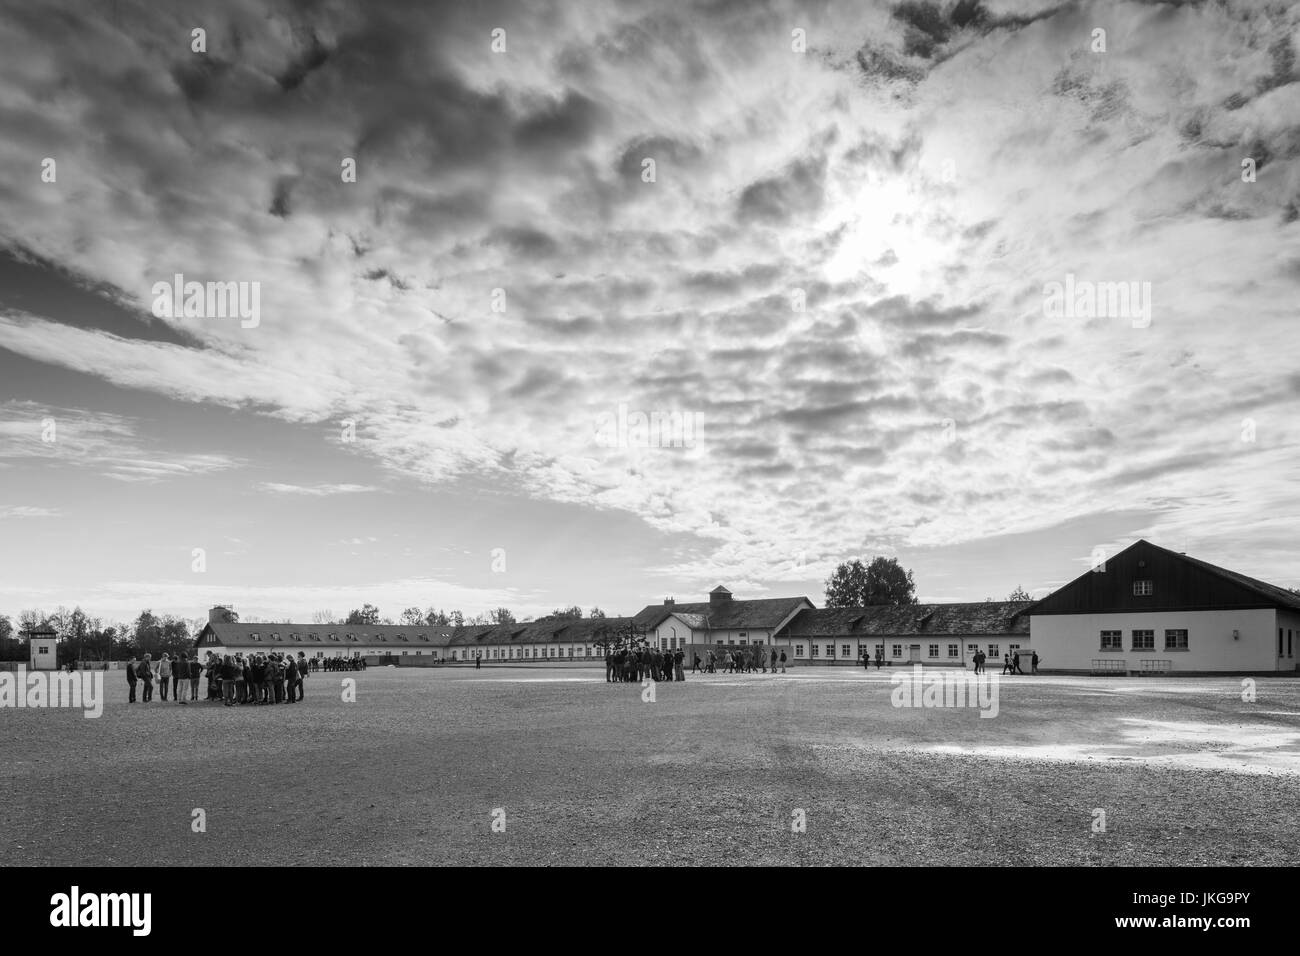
554	766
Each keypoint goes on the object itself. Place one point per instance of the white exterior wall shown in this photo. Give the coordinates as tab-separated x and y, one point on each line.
673	632
1073	641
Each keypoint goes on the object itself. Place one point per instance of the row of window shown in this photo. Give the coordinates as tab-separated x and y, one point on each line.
275	636
1145	640
896	651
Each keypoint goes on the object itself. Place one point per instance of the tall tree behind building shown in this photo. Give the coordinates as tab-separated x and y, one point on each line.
883	581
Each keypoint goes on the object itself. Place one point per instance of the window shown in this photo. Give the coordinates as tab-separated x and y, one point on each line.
815	648
42	650
1144	640
256	637
1142	587
1112	640
744	634
830	650
1176	640
994	651
934	650
422	637
880	650
897	650
798	650
743	642
276	637
295	637
972	648
401	637
350	637
334	637
1288	643
954	650
719	642
1012	648
380	637
314	637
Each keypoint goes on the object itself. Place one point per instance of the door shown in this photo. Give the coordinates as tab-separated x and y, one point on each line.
914	653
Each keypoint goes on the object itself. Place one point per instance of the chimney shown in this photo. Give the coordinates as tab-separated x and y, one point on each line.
719	595
669	602
219	614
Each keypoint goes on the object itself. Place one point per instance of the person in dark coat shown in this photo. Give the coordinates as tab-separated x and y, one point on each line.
145	673
783	662
131	680
1034	661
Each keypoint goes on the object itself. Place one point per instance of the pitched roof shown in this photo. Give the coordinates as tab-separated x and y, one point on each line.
1270	592
764	612
578	631
887	620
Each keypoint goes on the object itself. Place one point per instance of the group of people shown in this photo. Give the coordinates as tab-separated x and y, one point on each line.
340	664
640	663
741	660
1010	663
273	678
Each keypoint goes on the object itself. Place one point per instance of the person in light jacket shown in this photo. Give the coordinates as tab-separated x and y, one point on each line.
164	674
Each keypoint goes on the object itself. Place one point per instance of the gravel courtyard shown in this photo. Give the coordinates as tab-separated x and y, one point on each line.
713	771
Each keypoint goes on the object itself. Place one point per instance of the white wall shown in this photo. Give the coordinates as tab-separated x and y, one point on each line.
1073	641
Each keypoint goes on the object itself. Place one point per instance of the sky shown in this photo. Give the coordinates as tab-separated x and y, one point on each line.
817	243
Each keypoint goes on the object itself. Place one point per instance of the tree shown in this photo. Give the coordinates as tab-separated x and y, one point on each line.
883	581
595	612
369	614
147	630
412	617
1019	594
501	615
436	618
456	619
322	617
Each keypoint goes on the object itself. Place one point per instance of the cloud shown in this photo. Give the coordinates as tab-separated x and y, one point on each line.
839	265
314	491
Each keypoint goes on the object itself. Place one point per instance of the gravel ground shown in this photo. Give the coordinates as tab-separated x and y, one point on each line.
711	772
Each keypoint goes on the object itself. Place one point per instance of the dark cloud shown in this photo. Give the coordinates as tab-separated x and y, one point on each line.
798	192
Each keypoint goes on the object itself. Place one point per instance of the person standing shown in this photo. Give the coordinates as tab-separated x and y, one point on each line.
145	673
164	674
131	679
228	682
180	675
783	662
196	671
1034	660
678	658
302	672
478	662
291	679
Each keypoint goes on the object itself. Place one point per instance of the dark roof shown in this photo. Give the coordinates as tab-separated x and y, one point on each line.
1270	592
764	612
579	631
886	620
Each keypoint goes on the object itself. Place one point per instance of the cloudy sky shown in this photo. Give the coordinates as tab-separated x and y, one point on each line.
834	269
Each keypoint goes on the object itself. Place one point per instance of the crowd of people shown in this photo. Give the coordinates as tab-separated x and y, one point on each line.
233	679
643	662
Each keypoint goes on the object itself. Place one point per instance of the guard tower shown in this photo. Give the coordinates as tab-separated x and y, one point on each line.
45	650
